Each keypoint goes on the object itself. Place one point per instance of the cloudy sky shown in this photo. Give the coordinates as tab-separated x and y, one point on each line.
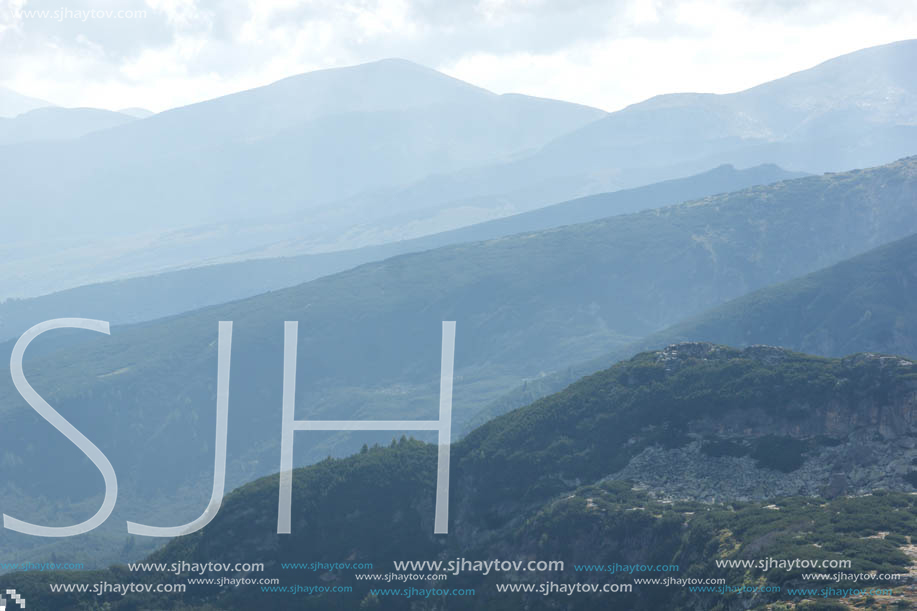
606	53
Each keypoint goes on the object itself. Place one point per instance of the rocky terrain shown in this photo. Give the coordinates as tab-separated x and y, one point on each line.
841	447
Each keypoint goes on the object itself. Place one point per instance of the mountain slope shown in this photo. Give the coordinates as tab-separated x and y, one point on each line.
58	124
304	141
218	178
854	94
539	483
513	477
862	304
856	110
369	337
865	303
147	298
349	163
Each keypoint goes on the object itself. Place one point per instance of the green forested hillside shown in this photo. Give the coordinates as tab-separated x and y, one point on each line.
535	483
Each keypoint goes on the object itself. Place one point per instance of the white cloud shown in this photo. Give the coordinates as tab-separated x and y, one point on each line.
598	52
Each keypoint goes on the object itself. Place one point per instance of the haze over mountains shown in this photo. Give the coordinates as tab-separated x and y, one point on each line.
793	121
863	304
372	154
525	304
52	123
852	111
299	143
149	297
372	203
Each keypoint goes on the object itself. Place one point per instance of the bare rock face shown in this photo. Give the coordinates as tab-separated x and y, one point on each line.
855	467
837	486
846	443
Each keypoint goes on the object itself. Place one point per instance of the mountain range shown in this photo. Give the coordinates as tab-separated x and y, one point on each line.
290	146
285	169
52	123
150	297
675	365
524	304
853	111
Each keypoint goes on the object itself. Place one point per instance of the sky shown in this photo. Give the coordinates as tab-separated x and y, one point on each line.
159	54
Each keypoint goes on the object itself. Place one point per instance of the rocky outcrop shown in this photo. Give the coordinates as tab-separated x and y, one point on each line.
849	443
862	464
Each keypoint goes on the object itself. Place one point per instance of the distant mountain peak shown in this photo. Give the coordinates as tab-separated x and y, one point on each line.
53	123
392	66
398	62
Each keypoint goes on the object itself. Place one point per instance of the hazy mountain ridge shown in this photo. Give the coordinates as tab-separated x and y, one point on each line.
861	90
52	123
856	110
147	298
266	173
221	177
306	140
862	304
